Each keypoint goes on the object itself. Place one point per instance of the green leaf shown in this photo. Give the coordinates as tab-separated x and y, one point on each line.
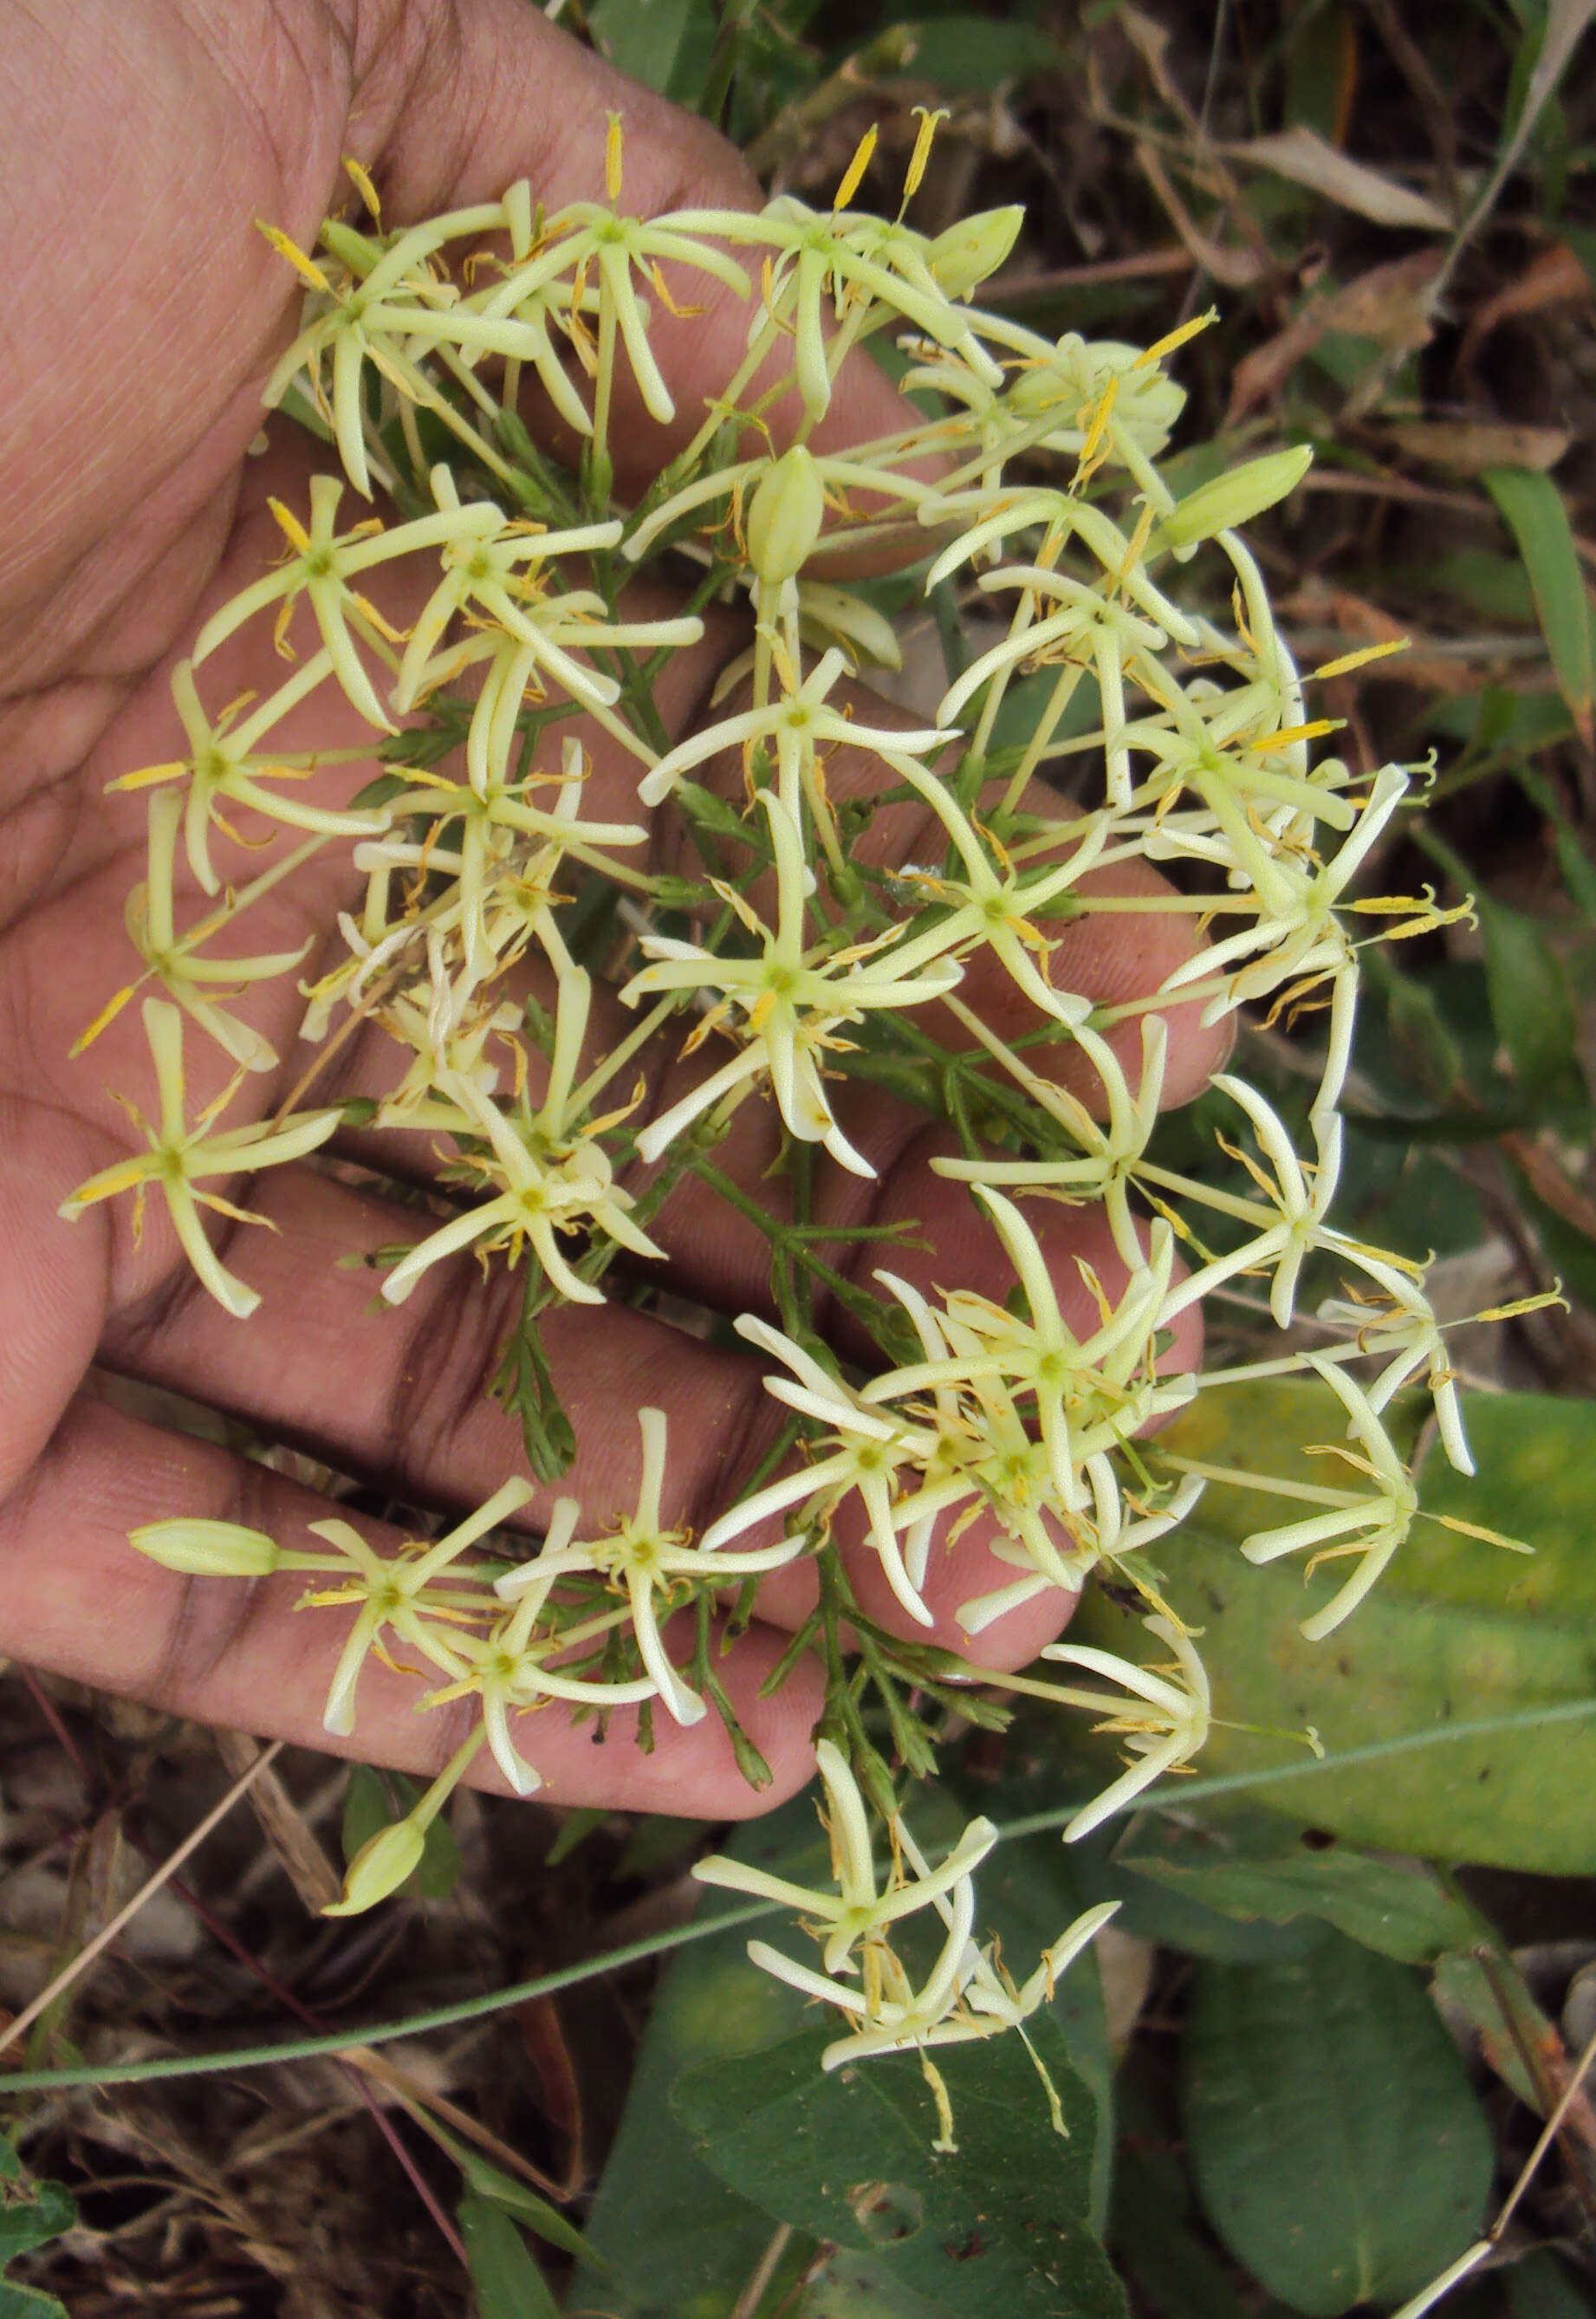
842	2284
1151	2234
1532	506
1420	1039
374	1801
680	2237
1456	1631
975	55
666	44
25	2223
675	2238
1531	1004
1253	1869
1485	1985
1000	2225
28	2303
1543	2287
505	2281
1337	2150
32	2222
483	2179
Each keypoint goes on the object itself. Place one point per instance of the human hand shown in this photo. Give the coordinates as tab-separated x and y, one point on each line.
127	509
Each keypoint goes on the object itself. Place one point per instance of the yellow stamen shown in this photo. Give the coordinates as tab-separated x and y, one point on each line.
1349	661
1091	449
107	1013
922	153
121	1179
305	267
1288	734
854	172
612	157
1172	339
364	186
298	537
148	775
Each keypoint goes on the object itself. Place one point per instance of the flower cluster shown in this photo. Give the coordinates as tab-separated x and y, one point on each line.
537	972
965	1996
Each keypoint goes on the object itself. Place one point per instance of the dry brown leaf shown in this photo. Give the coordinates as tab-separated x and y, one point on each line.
1389	304
1301	154
1555	278
1468	446
1237	269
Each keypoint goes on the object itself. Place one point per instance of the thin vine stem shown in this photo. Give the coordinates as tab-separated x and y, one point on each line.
641	1952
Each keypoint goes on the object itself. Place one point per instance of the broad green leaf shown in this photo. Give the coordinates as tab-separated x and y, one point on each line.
842	2284
1025	1895
1532	506
676	2240
1543	2287
504	2279
1456	1631
998	2225
1154	2235
1255	1870
11	2165
1338	2149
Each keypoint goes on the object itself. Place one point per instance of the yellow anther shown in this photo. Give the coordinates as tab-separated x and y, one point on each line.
854	172
1172	339
1349	661
922	153
305	267
364	186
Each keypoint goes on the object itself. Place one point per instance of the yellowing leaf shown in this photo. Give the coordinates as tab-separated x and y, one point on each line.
1301	154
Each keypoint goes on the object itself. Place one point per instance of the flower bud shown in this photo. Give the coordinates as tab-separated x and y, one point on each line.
1232	499
380	1867
208	1549
784	516
973	248
829	616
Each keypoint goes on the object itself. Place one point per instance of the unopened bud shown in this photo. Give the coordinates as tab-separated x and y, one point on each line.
1232	499
973	248
208	1549
784	518
380	1867
829	616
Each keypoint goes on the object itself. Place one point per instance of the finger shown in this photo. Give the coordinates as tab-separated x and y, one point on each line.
1099	955
81	1602
498	92
245	113
402	1397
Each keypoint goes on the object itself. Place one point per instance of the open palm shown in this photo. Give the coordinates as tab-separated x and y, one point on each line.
140	147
